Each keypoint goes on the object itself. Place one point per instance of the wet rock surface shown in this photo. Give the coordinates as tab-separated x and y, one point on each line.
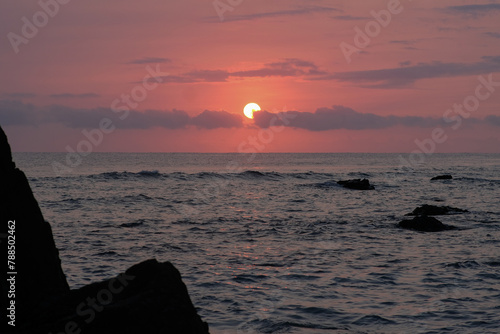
425	224
357	184
433	210
442	177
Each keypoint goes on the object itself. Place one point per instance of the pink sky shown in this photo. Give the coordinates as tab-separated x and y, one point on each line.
284	55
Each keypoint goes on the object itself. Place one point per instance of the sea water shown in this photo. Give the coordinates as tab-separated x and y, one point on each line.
270	243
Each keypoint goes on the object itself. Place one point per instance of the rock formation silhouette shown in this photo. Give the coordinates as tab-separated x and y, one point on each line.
442	177
357	184
433	210
425	224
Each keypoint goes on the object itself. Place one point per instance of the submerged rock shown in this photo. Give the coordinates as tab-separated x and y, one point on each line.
150	297
425	224
433	210
357	184
442	177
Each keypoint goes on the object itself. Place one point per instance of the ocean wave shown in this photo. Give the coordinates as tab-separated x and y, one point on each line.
463	264
493	263
373	319
137	223
327	184
149	173
134	198
277	326
209	175
478	179
248	174
125	175
254	175
107	253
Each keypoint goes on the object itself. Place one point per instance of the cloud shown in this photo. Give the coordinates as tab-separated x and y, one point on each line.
19	95
197	76
340	117
459	28
174	119
474	10
407	44
70	117
74	96
181	79
289	67
149	60
23	114
286	68
404	42
208	75
403	77
350	17
90	118
17	113
493	120
217	119
492	34
273	14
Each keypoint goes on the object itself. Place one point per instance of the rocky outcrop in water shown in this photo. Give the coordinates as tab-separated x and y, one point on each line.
357	184
425	224
150	297
433	210
442	177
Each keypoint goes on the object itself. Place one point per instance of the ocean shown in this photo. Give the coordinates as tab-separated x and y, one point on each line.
270	243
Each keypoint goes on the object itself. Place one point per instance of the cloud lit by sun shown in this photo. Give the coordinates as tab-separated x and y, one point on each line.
250	108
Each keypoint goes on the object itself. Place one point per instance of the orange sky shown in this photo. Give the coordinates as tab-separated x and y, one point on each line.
64	65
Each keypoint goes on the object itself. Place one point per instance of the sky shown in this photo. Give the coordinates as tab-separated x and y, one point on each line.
174	76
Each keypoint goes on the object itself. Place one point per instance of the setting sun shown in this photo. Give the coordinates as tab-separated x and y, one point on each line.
250	108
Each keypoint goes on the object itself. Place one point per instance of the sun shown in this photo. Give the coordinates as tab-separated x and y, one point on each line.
250	108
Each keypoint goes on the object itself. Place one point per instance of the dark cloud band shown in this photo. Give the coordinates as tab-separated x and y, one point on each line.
323	119
19	113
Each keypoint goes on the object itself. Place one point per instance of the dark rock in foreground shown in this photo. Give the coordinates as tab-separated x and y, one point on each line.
357	184
36	261
433	210
148	298
442	177
425	224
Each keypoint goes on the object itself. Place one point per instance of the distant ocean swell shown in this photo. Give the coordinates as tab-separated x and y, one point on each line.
253	174
249	174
